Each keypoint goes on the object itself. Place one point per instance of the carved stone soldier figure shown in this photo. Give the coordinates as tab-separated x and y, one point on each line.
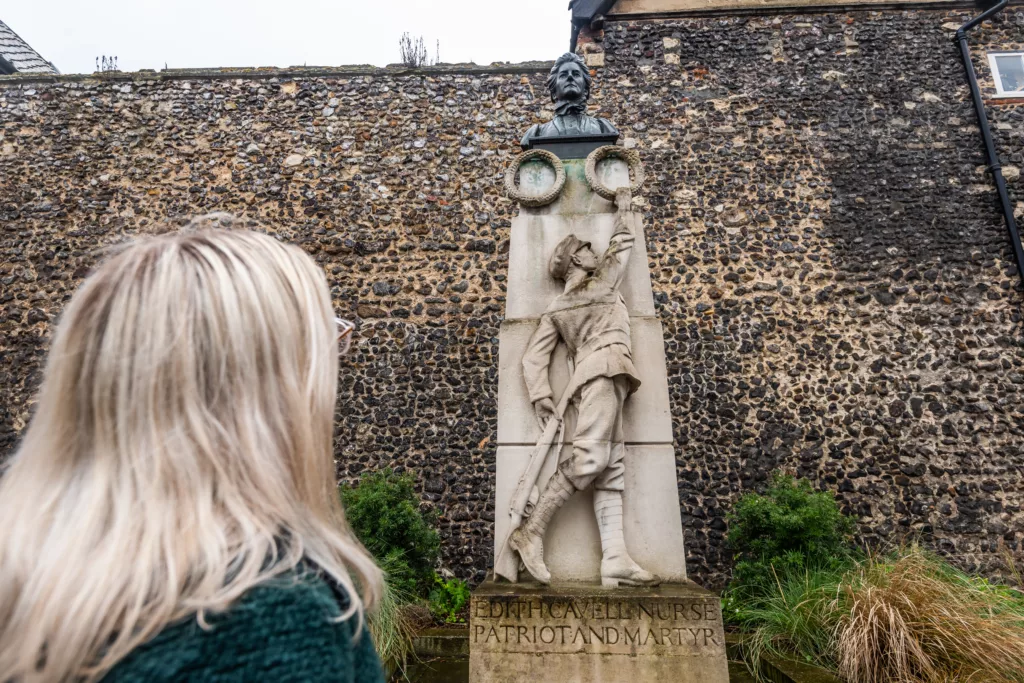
590	316
569	86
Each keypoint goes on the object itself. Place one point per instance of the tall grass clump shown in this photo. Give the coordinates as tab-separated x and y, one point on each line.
794	619
392	625
801	590
916	619
907	617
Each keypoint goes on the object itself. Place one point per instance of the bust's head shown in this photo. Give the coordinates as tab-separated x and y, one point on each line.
569	79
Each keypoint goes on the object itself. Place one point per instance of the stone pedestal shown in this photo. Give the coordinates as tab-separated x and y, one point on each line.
585	634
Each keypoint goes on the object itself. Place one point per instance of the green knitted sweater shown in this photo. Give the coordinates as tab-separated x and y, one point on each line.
280	631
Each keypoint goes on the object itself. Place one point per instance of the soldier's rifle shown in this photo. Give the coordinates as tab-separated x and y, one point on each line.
507	564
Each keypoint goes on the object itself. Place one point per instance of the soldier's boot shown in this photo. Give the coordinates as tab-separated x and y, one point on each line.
528	539
617	567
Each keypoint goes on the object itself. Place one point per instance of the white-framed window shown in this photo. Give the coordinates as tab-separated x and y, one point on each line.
1008	72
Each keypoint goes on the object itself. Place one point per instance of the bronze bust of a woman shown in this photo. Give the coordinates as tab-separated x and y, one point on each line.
569	85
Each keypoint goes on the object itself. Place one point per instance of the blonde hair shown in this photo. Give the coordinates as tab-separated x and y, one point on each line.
179	455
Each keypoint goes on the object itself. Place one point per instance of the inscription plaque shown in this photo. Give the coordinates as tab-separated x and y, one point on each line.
641	632
597	624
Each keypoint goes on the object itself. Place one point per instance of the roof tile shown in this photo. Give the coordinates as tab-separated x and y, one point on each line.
20	54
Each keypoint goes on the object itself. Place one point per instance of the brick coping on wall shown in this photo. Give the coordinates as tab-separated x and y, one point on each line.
268	72
530	67
802	9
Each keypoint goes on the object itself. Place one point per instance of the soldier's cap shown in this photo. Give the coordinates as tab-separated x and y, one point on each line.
561	258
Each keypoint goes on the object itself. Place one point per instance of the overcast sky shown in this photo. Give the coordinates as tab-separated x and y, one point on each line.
146	34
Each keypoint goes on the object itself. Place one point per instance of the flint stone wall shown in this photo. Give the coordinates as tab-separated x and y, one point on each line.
829	263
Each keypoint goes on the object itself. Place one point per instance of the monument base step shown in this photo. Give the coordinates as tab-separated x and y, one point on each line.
579	632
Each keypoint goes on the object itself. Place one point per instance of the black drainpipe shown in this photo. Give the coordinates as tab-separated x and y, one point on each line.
986	134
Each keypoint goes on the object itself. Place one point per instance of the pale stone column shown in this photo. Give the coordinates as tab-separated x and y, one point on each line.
652	524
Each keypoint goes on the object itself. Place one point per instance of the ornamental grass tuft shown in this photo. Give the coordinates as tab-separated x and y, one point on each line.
916	619
392	625
907	617
794	620
801	590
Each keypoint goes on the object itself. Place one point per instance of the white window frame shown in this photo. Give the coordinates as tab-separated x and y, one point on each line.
1000	92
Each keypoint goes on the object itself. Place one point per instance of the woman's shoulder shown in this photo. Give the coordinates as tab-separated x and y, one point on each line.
286	629
301	593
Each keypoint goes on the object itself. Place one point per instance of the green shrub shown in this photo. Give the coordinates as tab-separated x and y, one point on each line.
448	599
384	513
788	530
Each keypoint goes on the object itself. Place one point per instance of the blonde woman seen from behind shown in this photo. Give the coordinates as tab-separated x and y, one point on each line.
171	513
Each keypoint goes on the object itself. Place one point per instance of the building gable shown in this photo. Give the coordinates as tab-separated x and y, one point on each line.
17	56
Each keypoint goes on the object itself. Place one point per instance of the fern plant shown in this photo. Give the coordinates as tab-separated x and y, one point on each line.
448	599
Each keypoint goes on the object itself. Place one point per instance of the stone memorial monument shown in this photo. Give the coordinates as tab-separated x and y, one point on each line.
589	576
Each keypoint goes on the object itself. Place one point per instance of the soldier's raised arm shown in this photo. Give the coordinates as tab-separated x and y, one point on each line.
613	263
